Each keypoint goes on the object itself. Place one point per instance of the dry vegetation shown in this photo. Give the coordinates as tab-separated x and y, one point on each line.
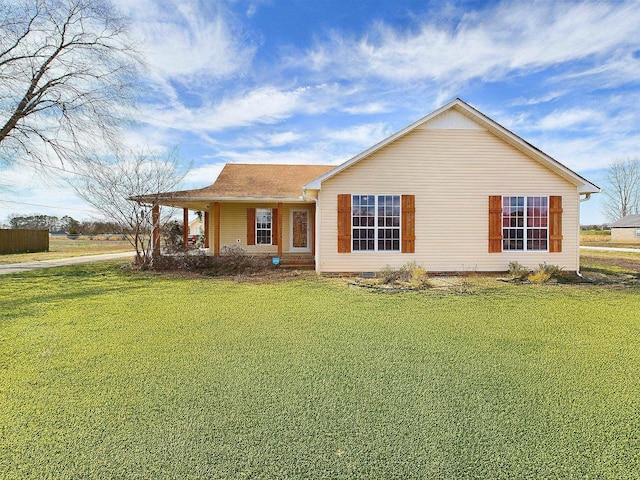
602	238
63	247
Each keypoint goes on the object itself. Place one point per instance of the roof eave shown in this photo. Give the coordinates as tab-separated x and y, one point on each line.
177	200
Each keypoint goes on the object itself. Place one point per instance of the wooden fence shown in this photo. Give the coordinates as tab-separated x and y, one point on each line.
24	241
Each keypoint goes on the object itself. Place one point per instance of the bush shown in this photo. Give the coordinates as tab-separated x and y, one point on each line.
518	271
411	274
389	275
554	271
545	272
232	261
539	276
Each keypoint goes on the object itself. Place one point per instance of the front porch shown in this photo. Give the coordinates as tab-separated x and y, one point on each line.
282	230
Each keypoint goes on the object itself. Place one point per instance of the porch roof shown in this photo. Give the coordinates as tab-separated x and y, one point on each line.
244	182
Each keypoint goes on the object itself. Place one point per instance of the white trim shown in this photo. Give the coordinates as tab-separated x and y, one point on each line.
584	186
270	229
177	202
376	228
525	227
309	239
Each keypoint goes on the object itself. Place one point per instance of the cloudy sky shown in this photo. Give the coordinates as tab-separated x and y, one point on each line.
299	81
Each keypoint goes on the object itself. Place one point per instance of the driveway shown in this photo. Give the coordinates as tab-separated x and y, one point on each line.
612	249
29	266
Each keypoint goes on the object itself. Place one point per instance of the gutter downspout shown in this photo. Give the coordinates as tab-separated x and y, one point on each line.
316	229
587	196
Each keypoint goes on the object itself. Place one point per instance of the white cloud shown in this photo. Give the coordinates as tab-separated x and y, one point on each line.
262	105
487	45
588	153
570	119
315	154
187	40
363	136
280	139
202	175
548	97
367	108
31	191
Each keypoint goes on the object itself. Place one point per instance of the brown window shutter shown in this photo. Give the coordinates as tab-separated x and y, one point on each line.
408	223
495	223
555	224
344	223
274	226
251	226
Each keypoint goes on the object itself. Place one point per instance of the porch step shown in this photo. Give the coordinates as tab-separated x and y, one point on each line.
302	261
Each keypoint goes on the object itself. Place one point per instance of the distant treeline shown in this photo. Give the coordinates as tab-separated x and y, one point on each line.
65	224
602	226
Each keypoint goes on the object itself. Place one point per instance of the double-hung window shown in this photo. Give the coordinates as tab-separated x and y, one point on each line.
525	223
263	226
375	223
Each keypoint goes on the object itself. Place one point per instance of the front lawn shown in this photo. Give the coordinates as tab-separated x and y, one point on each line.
110	374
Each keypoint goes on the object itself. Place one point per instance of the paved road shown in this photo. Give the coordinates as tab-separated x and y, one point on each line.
29	266
612	249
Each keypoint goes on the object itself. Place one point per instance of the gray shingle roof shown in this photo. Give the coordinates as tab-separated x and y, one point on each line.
628	221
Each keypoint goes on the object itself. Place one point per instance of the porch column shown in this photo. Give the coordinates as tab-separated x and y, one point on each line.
185	228
206	229
216	229
312	223
155	235
280	215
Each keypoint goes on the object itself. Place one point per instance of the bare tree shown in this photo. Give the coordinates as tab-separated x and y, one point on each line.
122	190
66	78
622	190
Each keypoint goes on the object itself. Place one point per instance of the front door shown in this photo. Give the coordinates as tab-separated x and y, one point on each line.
300	230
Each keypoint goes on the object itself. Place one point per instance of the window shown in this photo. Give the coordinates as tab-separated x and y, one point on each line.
375	223
263	226
637	232
525	223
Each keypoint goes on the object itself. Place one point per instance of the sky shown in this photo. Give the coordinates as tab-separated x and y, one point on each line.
301	81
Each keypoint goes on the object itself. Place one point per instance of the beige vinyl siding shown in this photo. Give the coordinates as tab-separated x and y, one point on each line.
624	234
451	172
233	223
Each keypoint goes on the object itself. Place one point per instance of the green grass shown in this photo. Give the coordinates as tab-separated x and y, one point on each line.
109	374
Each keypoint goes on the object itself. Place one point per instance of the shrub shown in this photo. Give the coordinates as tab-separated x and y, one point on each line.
518	271
389	275
554	270
545	272
232	261
410	274
539	276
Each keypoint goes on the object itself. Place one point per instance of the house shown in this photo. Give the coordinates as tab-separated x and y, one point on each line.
453	191
627	229
196	228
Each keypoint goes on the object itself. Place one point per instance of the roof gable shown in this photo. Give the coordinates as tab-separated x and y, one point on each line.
459	115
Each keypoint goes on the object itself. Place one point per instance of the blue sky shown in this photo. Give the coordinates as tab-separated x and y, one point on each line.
298	81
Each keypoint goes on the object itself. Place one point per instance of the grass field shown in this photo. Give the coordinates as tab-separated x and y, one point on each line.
602	238
106	373
63	247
